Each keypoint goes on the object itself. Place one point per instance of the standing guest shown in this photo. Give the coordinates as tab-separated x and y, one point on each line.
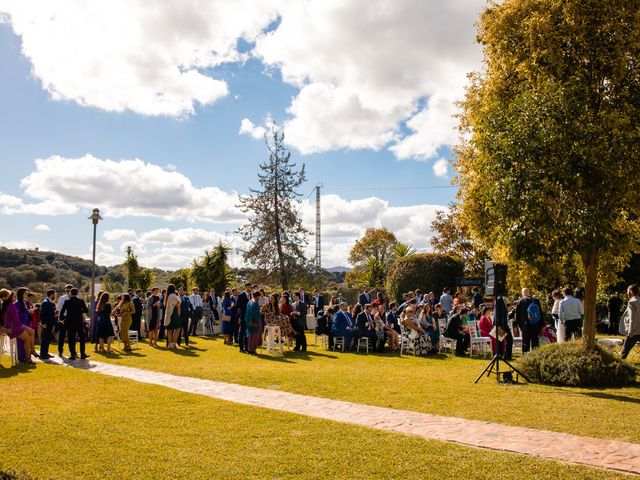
48	322
632	321
127	310
571	312
12	324
196	307
186	312
136	317
73	312
154	317
446	300
305	298
25	311
455	330
318	303
476	298
161	332
614	306
214	303
365	324
529	319
254	324
60	326
241	307
94	321
365	297
207	315
105	331
35	320
344	326
172	317
299	322
555	313
324	325
388	327
227	330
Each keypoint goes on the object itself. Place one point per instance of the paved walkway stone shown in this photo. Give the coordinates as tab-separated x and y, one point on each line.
602	453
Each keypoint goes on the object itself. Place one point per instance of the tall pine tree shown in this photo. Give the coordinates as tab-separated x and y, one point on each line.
274	231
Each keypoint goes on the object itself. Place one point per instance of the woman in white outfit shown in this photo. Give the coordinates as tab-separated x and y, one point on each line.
555	313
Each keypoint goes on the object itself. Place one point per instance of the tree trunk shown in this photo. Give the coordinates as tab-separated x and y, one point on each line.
590	265
276	220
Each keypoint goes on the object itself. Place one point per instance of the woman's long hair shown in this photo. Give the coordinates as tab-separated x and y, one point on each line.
21	293
171	289
273	301
103	299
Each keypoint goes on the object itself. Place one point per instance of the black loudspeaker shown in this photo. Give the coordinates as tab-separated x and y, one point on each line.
495	279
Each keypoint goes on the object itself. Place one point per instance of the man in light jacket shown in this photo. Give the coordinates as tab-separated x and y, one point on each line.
632	320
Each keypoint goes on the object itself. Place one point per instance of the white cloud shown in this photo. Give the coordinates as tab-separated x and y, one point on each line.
120	188
19	244
120	234
363	67
441	167
248	128
42	228
148	56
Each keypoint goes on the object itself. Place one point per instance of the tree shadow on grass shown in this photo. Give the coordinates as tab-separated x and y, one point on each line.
273	358
611	396
308	355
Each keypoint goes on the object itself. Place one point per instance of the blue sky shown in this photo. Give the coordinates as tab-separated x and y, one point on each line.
372	146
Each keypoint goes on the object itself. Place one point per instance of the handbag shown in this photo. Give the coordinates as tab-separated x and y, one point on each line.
226	318
253	324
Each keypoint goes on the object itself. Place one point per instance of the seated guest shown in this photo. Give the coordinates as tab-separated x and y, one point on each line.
379	300
456	331
12	325
439	316
485	325
430	326
381	318
392	318
418	336
344	326
324	325
366	327
475	314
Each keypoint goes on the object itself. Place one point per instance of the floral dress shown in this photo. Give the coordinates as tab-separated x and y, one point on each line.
282	321
421	341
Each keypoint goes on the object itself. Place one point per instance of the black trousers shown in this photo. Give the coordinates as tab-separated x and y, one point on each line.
61	328
507	346
75	332
629	343
530	337
373	339
301	338
47	336
572	326
135	323
184	331
242	336
614	324
195	319
462	342
328	332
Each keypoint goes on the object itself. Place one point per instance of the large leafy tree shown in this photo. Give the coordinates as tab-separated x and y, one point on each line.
137	276
213	270
372	255
550	152
274	232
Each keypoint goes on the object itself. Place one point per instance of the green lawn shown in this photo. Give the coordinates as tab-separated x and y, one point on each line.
59	423
441	385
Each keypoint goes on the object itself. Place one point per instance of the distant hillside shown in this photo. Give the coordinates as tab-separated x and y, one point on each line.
339	269
39	270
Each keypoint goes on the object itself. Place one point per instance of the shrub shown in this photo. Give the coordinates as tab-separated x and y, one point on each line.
426	271
571	364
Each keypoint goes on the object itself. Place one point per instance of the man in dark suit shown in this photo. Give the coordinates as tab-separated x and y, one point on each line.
366	326
365	297
48	322
61	328
318	303
324	325
455	330
299	322
186	311
530	331
241	307
73	311
392	318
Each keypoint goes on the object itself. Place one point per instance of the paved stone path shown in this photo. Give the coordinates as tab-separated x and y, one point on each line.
608	454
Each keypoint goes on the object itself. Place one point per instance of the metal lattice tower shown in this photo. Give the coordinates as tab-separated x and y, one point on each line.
318	260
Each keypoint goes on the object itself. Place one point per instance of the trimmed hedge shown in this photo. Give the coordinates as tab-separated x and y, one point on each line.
571	364
426	271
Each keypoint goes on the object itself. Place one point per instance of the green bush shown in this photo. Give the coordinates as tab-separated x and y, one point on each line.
426	271
571	364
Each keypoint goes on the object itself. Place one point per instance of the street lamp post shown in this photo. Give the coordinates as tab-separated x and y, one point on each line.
95	218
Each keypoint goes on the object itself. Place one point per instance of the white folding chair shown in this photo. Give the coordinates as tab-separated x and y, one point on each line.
273	339
10	346
363	341
481	345
405	341
339	342
517	341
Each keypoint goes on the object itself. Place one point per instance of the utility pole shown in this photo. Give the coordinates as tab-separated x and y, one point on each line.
318	261
95	218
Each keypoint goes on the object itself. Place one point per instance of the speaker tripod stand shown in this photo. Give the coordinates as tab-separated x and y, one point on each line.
494	368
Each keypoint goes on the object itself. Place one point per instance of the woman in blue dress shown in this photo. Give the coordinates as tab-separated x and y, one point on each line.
430	325
104	331
227	330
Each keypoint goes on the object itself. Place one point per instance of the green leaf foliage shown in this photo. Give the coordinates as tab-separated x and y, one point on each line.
426	271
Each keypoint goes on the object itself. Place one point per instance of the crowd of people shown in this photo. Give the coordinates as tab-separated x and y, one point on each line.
421	322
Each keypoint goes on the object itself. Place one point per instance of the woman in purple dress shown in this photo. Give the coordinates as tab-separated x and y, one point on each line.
25	310
12	324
